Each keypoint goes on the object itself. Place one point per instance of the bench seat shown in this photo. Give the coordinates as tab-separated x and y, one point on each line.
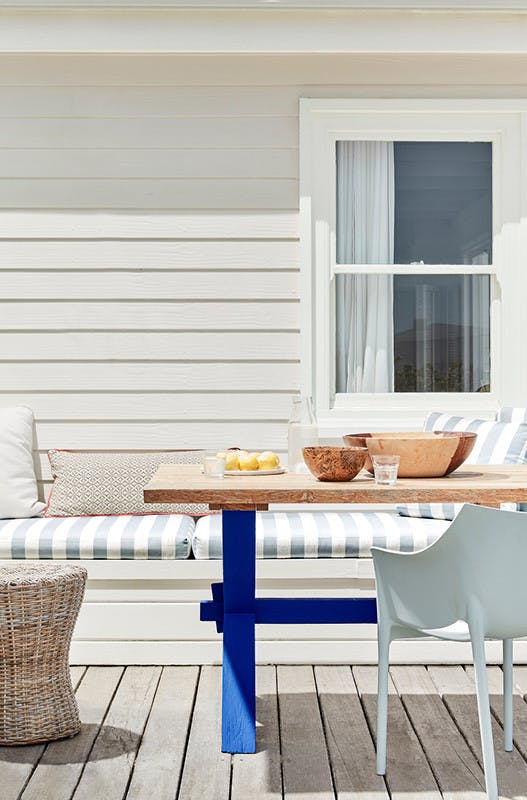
323	534
150	537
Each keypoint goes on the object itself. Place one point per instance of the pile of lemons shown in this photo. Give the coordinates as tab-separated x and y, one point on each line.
243	460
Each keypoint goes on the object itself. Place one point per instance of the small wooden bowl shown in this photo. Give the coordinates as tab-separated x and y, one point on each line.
335	463
423	454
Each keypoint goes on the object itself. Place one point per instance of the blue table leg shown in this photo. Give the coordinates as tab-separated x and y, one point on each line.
238	690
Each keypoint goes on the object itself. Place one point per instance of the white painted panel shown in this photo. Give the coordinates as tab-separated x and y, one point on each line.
141	194
151	376
154	406
103	254
155	101
306	651
124	621
142	435
120	285
343	71
130	163
206	131
145	316
120	346
218	224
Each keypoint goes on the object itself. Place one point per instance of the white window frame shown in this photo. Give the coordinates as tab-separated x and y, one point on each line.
323	122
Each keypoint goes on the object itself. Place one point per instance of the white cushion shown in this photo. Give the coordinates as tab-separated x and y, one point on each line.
18	484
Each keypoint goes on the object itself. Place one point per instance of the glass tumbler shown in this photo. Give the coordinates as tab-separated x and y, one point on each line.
385	469
213	466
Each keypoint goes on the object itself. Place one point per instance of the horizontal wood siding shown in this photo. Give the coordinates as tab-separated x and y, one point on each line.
149	253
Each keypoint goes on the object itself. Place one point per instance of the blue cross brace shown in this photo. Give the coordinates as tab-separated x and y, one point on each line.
236	610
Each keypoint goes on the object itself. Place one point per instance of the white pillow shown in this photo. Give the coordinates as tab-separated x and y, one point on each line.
18	484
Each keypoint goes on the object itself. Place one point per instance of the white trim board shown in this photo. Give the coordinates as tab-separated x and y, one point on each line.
501	6
165	29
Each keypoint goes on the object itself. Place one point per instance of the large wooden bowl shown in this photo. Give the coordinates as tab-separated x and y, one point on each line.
423	454
335	463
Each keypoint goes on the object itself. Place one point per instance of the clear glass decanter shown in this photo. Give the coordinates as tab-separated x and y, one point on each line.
302	432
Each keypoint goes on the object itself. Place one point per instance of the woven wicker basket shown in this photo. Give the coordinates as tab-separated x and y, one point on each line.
39	605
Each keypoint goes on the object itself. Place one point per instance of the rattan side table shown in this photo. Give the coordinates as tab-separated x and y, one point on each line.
39	605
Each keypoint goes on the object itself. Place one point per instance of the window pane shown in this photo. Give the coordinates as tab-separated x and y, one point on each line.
441	333
412	333
443	202
414	202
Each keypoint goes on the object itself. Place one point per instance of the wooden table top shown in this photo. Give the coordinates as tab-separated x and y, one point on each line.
482	484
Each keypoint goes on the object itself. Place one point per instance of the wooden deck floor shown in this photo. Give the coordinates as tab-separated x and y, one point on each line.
152	733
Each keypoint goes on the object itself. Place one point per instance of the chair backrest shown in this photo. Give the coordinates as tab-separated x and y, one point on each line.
476	571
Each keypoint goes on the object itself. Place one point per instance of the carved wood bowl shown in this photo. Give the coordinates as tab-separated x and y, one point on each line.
335	463
423	454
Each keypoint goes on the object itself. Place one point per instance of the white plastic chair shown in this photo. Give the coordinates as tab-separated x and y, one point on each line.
469	585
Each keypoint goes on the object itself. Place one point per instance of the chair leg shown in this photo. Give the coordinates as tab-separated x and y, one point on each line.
384	639
507	694
487	745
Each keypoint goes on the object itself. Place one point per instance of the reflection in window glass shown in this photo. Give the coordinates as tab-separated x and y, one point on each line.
427	333
441	333
443	202
421	202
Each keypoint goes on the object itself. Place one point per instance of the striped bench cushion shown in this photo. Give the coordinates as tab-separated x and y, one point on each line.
153	536
497	443
511	414
319	534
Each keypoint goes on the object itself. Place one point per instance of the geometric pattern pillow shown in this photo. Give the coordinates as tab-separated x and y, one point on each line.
90	484
496	443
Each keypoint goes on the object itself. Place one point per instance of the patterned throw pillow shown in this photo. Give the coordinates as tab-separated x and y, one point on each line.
90	484
497	443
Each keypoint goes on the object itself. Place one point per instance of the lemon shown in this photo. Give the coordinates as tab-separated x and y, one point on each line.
231	460
268	460
247	462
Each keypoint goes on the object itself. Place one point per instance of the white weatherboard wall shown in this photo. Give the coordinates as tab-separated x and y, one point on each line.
149	248
149	279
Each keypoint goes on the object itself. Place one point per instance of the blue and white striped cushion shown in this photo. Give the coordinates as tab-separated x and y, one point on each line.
497	443
153	536
319	534
511	414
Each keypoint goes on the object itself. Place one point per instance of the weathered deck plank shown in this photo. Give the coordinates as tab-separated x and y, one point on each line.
455	767
159	761
60	768
207	770
350	744
408	773
112	757
461	703
259	776
18	763
305	761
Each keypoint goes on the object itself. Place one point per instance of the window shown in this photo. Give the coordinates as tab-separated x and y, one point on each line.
419	204
411	215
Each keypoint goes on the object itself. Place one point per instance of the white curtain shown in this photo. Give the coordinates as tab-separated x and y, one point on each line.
365	235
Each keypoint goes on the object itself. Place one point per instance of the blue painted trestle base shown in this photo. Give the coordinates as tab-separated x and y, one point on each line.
236	610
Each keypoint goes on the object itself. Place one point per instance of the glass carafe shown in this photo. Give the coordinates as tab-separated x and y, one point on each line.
302	432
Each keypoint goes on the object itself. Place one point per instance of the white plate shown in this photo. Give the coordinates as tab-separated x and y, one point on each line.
238	472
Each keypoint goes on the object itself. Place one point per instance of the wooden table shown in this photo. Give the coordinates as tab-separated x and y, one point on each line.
235	607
